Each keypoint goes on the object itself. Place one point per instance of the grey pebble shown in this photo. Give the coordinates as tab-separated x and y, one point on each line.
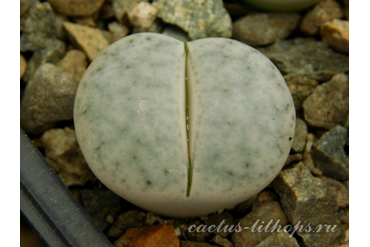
307	57
306	199
328	105
220	241
300	87
25	5
281	239
48	99
54	50
264	212
38	28
328	154
265	28
340	190
300	135
200	19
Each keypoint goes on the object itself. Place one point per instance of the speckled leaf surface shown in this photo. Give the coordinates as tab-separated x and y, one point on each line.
131	122
241	120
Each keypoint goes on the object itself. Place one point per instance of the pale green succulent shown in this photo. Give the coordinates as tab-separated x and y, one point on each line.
184	129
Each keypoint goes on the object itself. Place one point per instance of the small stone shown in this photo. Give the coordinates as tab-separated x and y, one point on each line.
25	5
108	36
158	235
329	156
341	192
324	11
336	34
307	153
38	28
195	244
152	218
300	87
300	135
75	63
345	242
307	200
180	224
265	28
99	204
90	40
76	7
177	33
64	155
260	216
126	220
307	58
293	158
156	27
85	20
48	99
263	197
123	7
316	171
109	219
54	50
143	15
23	65
343	215
117	31
220	241
217	219
200	19
281	239
328	105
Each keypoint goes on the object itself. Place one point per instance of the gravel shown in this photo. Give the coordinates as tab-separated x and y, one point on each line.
59	39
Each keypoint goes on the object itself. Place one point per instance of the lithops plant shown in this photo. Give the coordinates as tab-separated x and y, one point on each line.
184	129
282	5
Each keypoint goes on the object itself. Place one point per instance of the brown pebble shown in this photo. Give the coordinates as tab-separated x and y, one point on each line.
328	105
88	39
23	66
76	7
293	158
74	62
324	11
148	236
336	34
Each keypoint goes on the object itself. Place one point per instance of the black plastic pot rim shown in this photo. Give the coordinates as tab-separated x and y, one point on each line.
49	205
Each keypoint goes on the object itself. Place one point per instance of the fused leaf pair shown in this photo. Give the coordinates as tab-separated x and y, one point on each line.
184	129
